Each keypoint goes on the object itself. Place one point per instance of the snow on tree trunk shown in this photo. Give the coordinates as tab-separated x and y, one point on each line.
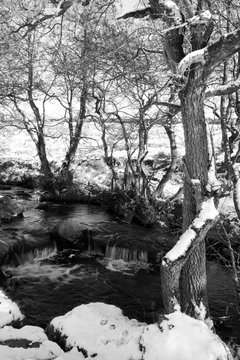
193	276
189	246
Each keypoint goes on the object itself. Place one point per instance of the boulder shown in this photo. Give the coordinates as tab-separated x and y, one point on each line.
29	342
100	331
9	208
9	311
70	234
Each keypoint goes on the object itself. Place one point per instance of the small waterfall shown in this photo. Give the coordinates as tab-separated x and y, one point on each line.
32	255
117	253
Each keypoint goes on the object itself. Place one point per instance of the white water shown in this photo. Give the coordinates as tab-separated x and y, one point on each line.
55	273
127	255
126	261
33	255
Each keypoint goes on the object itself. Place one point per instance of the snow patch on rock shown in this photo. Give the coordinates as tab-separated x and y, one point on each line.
101	331
39	347
183	338
9	310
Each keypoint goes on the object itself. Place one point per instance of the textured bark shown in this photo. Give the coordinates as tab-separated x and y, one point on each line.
193	275
235	176
225	89
40	141
193	283
225	111
171	270
75	138
170	171
41	149
221	50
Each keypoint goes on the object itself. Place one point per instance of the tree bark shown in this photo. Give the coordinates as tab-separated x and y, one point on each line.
170	171
41	149
193	275
141	180
174	261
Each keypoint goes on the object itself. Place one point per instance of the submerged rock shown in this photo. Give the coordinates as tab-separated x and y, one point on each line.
9	208
69	234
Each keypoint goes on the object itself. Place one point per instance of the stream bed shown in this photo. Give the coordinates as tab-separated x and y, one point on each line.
46	285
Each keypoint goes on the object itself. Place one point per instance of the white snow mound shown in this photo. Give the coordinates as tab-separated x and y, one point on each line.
9	310
103	333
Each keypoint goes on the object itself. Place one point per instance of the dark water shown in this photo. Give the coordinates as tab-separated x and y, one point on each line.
48	288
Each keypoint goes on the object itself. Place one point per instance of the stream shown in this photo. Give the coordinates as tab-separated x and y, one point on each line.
46	285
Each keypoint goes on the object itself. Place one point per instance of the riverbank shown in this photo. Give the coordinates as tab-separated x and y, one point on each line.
166	215
98	330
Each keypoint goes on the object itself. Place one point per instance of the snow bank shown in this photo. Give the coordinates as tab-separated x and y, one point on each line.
9	311
31	343
100	331
180	337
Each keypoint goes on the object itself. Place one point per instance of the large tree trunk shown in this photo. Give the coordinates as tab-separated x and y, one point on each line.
193	276
175	260
65	176
41	149
48	178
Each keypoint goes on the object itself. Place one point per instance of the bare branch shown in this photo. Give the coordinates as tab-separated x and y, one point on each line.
138	14
219	51
225	89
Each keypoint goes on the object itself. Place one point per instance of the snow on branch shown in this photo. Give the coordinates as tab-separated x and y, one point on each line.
214	53
175	259
162	9
225	89
197	56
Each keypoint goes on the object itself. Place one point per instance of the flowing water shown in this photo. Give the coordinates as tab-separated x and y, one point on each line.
46	284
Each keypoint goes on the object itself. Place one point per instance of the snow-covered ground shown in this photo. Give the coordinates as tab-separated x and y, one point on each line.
9	311
100	331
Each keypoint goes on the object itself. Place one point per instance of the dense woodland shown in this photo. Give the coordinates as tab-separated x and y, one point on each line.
68	64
